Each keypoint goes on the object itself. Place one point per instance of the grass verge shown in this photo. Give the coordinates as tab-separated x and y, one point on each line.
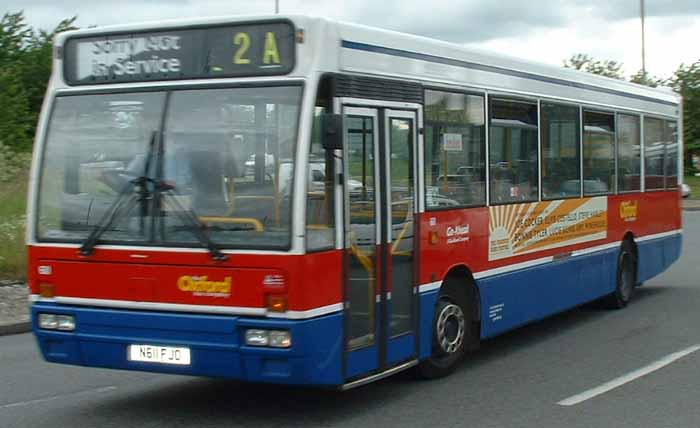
13	253
694	183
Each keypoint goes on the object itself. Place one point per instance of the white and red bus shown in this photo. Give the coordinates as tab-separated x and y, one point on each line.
297	200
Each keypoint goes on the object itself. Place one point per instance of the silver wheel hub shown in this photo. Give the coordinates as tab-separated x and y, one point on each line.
450	328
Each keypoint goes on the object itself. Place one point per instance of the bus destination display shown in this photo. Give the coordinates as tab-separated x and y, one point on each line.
226	51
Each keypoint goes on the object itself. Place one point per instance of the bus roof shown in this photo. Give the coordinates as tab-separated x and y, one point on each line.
429	59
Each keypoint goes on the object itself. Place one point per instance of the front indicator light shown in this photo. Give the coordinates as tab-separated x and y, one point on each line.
257	337
280	339
48	321
47	290
276	302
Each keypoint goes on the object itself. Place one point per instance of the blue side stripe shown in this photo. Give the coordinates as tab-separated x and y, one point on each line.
493	69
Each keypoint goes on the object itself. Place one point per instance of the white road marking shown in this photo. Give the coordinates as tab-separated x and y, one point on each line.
629	377
56	397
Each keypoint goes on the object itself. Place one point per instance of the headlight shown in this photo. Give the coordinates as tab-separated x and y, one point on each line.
256	337
57	322
66	322
271	338
48	321
280	339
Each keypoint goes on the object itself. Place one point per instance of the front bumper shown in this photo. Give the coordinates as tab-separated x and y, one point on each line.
102	337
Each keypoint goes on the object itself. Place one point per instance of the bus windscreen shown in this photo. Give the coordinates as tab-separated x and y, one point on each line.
260	49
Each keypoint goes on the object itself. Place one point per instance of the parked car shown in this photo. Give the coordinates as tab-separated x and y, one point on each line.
685	190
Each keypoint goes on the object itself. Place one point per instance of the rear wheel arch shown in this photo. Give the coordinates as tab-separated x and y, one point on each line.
460	277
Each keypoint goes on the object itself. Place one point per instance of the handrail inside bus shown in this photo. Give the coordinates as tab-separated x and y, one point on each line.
257	224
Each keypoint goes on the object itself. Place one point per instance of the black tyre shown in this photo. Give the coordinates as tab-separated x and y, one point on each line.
626	278
452	334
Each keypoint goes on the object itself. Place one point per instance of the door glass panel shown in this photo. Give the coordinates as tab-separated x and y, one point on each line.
362	232
401	249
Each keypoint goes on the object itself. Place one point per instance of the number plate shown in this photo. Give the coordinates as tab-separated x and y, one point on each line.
159	354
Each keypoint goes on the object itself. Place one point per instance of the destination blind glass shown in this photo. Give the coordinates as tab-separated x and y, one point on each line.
224	51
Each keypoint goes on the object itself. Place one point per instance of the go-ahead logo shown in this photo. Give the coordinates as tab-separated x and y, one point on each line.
202	286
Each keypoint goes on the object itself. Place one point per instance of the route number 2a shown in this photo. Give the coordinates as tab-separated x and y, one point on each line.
270	56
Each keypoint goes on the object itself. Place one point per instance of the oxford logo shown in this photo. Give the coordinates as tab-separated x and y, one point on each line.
629	210
202	286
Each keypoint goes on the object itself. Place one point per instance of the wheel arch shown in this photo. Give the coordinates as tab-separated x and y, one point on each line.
461	274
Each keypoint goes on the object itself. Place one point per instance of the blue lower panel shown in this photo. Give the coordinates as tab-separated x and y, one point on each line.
657	255
513	299
401	349
103	335
516	298
362	361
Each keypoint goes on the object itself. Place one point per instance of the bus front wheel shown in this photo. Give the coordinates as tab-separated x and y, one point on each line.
452	330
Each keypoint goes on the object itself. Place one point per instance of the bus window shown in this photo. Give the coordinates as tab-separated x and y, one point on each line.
671	141
654	148
320	190
96	145
513	151
320	219
598	153
362	227
560	151
455	150
229	153
628	153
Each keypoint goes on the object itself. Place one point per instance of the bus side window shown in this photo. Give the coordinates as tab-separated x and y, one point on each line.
455	149
598	153
513	151
560	171
653	154
628	153
671	141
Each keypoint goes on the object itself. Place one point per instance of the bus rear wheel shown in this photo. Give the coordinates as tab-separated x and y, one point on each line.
626	278
452	330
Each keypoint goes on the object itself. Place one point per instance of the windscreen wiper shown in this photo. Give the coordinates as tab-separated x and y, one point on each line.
125	202
199	229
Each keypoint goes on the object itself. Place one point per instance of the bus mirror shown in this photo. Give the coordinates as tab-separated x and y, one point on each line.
332	131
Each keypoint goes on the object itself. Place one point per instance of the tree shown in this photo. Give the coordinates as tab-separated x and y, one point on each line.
644	78
36	64
25	68
13	35
15	127
15	130
584	62
686	81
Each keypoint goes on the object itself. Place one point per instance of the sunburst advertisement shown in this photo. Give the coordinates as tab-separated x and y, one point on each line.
529	227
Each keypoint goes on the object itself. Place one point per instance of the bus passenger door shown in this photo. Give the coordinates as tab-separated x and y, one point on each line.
380	201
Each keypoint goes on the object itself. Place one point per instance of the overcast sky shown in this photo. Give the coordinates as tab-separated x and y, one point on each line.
542	30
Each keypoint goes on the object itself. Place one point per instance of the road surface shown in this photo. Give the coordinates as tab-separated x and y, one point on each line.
638	367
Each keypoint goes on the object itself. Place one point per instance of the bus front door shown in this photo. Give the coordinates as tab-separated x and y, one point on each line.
380	268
